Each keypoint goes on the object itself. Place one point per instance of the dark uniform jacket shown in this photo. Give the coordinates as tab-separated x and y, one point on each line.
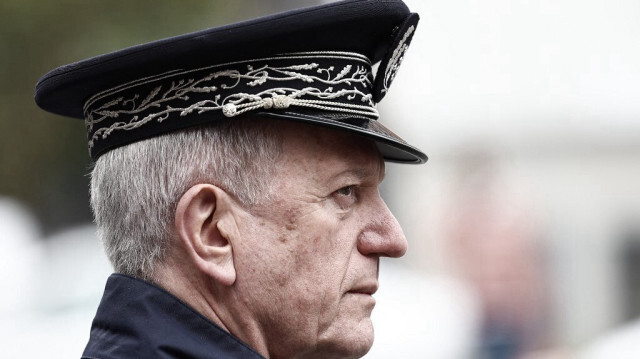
138	320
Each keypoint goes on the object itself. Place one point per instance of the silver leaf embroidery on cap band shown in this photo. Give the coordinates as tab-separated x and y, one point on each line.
357	77
396	59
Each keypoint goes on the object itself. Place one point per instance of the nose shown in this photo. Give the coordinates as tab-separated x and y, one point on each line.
381	234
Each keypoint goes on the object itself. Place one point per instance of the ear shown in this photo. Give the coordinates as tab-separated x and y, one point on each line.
202	217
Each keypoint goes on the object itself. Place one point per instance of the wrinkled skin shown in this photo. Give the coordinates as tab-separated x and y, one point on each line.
307	265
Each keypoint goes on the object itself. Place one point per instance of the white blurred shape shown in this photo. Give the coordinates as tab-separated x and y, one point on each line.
419	316
622	343
75	271
65	283
20	255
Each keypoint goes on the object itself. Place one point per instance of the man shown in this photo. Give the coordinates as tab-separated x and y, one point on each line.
236	181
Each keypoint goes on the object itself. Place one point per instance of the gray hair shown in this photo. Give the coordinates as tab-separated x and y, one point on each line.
135	188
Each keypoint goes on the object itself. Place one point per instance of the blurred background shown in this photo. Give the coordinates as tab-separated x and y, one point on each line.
524	226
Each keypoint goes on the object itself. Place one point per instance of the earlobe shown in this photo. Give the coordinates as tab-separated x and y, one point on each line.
201	219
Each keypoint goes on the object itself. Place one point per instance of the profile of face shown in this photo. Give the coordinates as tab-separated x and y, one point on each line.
307	265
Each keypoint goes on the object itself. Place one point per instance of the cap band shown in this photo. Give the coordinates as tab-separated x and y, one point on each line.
338	82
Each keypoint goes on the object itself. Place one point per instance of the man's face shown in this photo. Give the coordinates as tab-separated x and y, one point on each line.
308	261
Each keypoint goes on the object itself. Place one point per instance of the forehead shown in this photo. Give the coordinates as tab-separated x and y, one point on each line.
315	148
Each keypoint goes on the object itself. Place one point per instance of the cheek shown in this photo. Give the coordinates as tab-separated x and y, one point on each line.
296	269
288	261
312	264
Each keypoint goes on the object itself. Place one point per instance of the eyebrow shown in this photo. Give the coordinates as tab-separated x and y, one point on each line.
363	173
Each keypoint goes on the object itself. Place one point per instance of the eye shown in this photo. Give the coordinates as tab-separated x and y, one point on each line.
346	191
346	196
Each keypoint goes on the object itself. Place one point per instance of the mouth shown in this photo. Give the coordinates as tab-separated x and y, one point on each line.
365	289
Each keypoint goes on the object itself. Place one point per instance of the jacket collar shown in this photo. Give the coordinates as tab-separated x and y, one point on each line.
136	319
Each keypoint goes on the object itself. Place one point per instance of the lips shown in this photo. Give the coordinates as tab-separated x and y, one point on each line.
367	288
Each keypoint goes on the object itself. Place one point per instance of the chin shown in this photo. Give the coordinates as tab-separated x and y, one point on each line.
349	342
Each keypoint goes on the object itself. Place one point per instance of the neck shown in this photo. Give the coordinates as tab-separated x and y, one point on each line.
219	304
